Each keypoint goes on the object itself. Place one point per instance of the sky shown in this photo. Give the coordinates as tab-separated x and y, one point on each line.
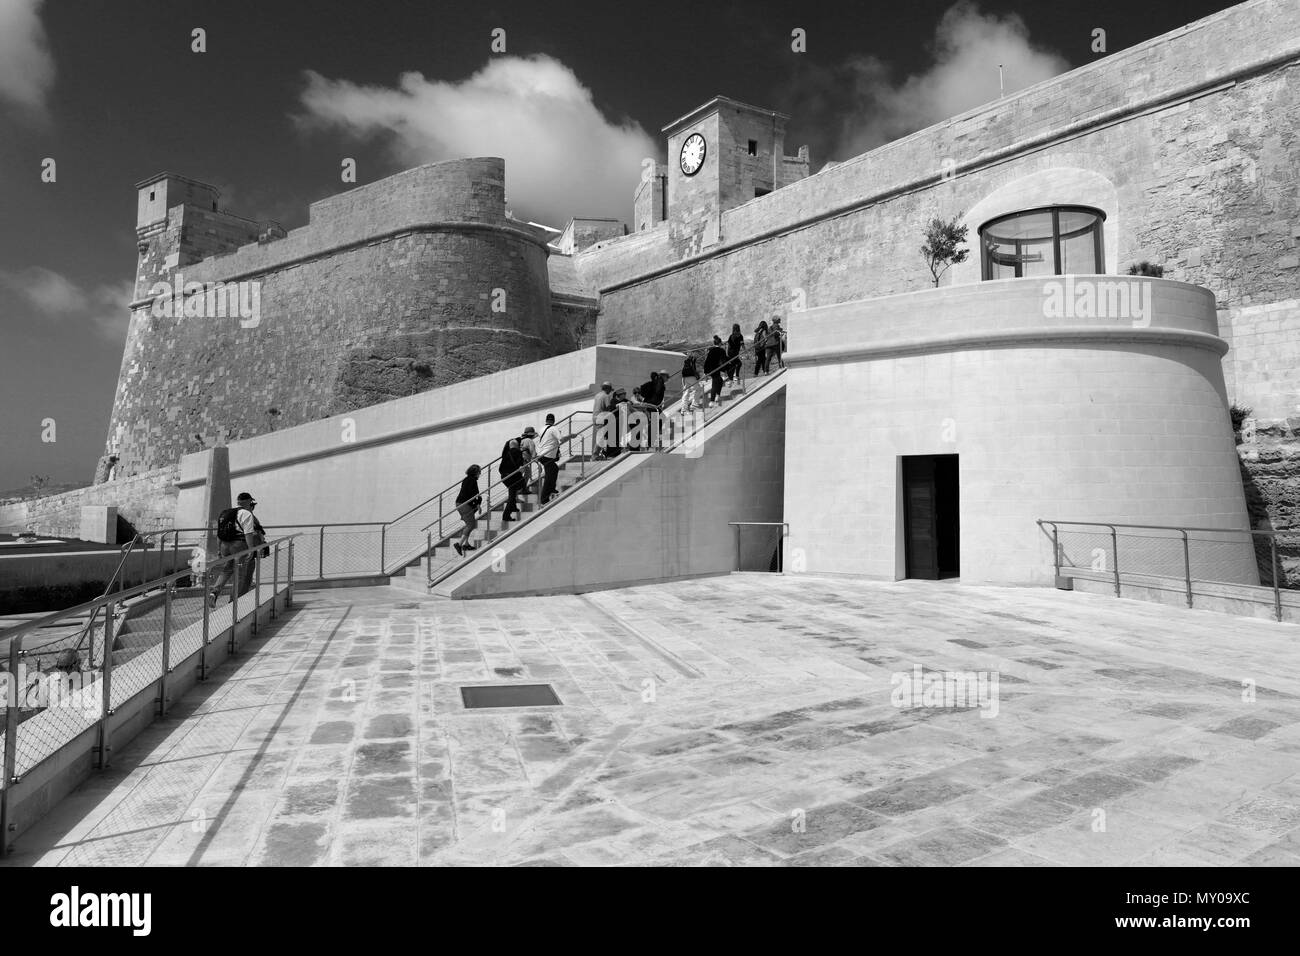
114	92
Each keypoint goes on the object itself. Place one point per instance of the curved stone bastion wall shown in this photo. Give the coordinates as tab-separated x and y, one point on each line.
1085	398
404	285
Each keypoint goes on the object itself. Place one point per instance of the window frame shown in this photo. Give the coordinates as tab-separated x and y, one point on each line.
1098	239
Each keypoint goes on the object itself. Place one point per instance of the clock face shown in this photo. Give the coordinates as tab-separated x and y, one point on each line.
693	152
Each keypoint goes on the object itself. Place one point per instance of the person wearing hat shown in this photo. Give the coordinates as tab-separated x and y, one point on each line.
528	449
600	419
237	530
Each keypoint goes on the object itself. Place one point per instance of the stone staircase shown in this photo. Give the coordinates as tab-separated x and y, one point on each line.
416	575
574	471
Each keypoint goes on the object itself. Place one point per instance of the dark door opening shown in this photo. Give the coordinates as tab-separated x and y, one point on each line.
931	522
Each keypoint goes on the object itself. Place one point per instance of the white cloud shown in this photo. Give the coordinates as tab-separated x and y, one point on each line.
968	46
103	309
26	67
563	156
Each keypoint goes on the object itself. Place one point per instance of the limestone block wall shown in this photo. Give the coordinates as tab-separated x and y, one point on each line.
408	284
147	501
653	518
1088	418
1193	135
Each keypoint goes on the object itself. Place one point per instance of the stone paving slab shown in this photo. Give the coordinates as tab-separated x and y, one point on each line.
749	720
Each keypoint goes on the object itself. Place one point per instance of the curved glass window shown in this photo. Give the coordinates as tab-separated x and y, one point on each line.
1042	242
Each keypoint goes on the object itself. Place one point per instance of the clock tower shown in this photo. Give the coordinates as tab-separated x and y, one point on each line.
720	155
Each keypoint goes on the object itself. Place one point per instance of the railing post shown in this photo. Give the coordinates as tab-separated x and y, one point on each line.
440	516
257	586
428	561
1277	591
203	648
322	553
288	584
383	540
275	577
582	461
737	547
1056	552
234	603
176	547
166	650
1114	552
11	742
1187	566
105	732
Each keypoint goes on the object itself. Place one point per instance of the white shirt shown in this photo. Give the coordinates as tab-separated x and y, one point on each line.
245	519
548	446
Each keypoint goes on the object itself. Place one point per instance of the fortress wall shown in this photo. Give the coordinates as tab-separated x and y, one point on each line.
147	501
349	328
465	190
1210	188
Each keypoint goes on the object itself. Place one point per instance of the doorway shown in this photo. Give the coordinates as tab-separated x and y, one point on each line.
931	517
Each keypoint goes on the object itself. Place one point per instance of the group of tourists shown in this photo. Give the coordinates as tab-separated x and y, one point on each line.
612	405
530	464
721	363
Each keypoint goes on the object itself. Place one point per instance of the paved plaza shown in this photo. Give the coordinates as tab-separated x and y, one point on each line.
742	720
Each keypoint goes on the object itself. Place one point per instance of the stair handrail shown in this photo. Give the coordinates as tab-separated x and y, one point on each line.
456	485
745	350
452	568
526	467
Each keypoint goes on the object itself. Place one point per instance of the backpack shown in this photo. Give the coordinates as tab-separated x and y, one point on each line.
511	460
228	528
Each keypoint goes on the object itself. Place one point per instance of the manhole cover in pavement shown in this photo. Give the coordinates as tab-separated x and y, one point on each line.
509	695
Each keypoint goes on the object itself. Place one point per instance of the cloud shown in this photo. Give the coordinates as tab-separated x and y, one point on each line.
26	67
563	156
102	309
968	46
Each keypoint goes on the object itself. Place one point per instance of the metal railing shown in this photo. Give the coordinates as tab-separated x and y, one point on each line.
452	519
778	547
46	710
1215	556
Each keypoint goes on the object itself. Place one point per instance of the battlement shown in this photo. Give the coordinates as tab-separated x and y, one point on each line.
469	191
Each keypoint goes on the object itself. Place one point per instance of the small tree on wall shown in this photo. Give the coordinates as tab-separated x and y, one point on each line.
941	245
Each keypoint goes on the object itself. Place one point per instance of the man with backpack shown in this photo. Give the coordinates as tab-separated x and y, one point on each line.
238	530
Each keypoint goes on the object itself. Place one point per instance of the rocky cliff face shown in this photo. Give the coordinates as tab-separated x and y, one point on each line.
1270	474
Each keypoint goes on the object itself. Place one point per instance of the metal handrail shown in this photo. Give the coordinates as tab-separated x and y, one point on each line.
526	467
19	630
16	635
1271	535
454	486
448	571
